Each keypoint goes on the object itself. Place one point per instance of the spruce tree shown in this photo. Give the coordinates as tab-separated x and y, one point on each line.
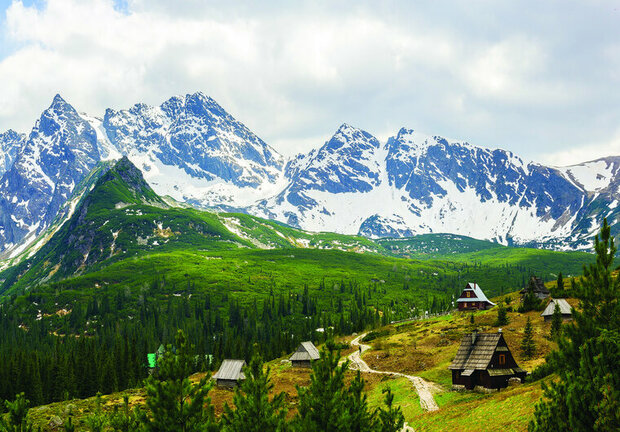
502	315
556	322
390	419
176	404
528	348
559	286
586	396
254	411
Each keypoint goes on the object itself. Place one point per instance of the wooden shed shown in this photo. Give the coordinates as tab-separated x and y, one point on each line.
304	356
484	360
473	298
565	310
536	285
230	373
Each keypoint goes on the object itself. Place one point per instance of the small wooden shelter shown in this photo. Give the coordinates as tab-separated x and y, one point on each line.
473	298
565	310
484	360
536	285
304	356
230	373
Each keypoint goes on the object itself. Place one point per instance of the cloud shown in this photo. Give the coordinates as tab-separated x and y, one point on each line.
498	76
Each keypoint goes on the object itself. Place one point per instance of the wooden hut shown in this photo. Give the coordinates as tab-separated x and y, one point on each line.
565	310
230	373
473	298
536	285
484	360
304	356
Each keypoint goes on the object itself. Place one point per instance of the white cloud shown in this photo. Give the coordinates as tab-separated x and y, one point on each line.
292	72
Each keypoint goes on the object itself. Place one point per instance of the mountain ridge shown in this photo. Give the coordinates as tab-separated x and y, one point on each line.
191	149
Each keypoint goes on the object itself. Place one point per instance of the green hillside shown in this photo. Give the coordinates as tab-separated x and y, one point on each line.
127	269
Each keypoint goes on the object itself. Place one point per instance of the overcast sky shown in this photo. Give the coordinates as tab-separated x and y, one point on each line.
539	78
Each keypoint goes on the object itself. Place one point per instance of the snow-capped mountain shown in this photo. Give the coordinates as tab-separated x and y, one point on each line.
415	184
190	148
10	142
59	152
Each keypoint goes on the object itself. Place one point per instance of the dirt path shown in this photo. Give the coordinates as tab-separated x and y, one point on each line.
427	402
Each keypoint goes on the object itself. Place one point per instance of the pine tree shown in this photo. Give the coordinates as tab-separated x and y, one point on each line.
321	404
174	401
18	415
528	348
125	420
390	419
556	322
586	396
502	315
360	419
254	411
96	422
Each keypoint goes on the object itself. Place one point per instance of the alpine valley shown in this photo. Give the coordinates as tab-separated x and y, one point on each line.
191	150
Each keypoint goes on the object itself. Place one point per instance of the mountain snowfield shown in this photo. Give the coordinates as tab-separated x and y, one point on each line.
192	150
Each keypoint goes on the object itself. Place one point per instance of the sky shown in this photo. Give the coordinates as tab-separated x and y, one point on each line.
538	78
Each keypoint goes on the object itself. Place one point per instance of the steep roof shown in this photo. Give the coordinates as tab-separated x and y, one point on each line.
476	355
231	370
478	294
537	284
305	351
565	308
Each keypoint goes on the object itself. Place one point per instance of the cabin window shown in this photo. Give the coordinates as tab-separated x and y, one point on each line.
468	294
502	359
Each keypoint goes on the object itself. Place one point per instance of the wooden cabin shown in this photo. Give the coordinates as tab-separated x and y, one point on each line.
536	285
304	356
230	373
473	298
565	310
484	360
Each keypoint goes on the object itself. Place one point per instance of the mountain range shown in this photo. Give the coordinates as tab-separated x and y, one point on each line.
191	150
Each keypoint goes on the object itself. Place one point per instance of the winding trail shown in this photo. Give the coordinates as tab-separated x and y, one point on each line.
427	402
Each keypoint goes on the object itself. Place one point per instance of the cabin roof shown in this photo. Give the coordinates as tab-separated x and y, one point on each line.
565	308
305	351
230	370
478	294
539	286
477	355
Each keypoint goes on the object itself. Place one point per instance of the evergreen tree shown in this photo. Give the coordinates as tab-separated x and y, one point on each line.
556	322
587	395
321	404
68	426
559	286
528	348
17	416
360	418
254	411
125	420
176	404
502	315
96	422
390	419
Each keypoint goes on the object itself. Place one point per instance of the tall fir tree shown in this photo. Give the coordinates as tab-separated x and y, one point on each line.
556	322
502	315
17	415
587	395
528	347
